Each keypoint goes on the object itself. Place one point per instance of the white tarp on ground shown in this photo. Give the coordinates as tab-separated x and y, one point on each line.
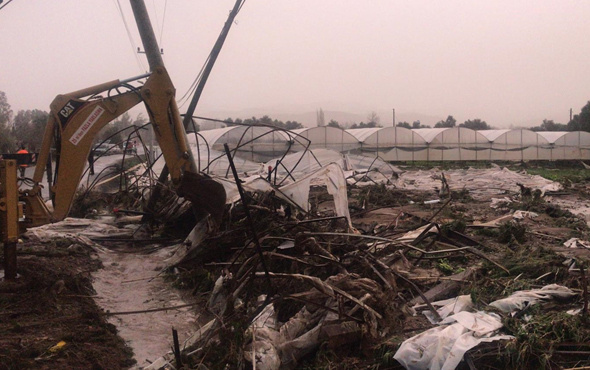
481	183
443	347
524	298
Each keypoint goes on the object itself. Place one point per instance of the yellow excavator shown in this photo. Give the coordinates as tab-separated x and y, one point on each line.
74	121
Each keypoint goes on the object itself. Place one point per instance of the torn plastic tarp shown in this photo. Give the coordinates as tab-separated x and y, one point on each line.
443	347
306	162
332	177
448	307
524	298
363	170
297	192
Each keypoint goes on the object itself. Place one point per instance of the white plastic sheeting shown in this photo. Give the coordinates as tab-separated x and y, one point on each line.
297	192
449	307
524	298
443	347
514	145
301	163
567	145
372	169
454	143
332	177
481	183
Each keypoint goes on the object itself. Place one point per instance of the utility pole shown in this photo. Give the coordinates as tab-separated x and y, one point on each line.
571	114
156	63
148	37
212	58
393	117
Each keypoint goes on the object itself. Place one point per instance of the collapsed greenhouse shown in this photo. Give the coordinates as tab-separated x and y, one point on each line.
399	144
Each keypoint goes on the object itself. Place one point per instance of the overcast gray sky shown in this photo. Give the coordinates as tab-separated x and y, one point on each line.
508	62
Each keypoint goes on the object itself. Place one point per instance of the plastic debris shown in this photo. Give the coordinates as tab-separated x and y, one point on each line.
443	347
524	298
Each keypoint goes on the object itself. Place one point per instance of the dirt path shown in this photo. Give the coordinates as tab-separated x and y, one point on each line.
66	284
130	282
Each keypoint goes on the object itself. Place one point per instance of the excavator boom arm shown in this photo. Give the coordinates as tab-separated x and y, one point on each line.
78	122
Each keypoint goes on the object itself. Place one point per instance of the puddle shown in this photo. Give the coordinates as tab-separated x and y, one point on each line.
125	284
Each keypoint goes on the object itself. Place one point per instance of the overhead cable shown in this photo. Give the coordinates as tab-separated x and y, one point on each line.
133	45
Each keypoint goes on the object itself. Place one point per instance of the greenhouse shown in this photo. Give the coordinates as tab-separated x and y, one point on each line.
516	145
326	137
567	145
398	144
391	143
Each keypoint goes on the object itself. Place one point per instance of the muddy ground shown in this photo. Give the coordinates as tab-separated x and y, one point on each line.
52	300
48	317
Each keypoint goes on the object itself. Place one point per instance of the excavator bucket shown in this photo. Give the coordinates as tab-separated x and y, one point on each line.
206	195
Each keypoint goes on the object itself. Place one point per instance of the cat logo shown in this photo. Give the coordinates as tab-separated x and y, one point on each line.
67	110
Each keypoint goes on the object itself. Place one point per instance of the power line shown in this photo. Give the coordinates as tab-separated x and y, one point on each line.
196	81
2	7
163	21
133	45
156	15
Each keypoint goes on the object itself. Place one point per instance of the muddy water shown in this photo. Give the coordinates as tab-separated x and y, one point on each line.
125	284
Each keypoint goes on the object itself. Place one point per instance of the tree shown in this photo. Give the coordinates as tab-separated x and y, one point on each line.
581	122
449	122
333	123
549	125
114	129
29	127
417	124
373	120
7	140
365	125
265	120
404	124
292	125
476	124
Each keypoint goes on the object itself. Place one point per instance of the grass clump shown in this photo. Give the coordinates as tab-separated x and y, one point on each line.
541	335
565	176
511	233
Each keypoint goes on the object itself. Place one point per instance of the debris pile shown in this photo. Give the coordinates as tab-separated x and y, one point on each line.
380	268
295	284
